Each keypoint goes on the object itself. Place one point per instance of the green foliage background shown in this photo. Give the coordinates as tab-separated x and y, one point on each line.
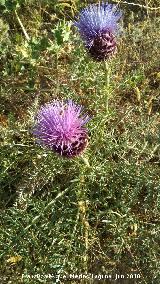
62	216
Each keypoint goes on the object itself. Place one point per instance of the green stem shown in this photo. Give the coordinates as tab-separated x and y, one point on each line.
82	209
81	194
85	160
107	80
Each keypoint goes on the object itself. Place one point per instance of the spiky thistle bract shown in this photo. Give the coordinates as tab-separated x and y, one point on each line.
59	126
98	26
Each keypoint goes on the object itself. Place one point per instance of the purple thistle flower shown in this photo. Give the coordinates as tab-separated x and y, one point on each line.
60	127
98	26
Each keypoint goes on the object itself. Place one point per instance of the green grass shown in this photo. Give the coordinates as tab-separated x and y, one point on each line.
59	216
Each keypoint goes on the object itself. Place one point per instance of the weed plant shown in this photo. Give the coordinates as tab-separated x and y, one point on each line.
94	216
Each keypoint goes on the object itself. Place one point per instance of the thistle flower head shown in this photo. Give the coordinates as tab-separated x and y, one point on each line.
98	26
60	127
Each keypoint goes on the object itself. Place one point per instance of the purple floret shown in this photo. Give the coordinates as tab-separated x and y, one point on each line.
60	127
99	21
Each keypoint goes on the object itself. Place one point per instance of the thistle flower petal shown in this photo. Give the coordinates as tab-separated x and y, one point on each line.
60	127
98	27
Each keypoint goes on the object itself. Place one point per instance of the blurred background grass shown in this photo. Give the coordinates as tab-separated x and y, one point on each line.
59	216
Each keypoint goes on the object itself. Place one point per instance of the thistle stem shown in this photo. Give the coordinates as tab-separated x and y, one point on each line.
82	205
82	210
107	82
85	160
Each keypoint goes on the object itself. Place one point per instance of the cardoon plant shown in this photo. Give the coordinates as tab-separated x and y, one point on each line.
98	27
60	126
